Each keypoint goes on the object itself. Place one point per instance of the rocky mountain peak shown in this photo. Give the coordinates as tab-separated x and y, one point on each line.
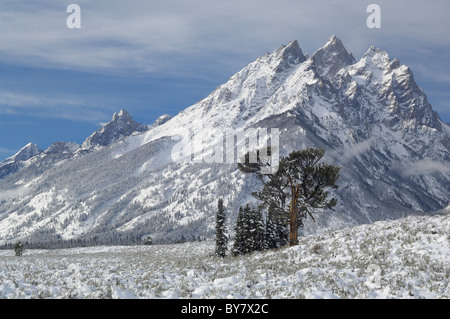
289	56
122	115
62	148
332	57
15	162
121	125
27	152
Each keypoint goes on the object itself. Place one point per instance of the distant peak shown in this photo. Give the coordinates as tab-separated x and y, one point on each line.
289	55
333	56
164	117
334	44
293	44
62	148
27	152
333	40
292	51
379	58
29	146
161	120
122	114
122	125
371	51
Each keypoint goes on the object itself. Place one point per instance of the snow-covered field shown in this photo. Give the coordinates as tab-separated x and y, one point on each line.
408	258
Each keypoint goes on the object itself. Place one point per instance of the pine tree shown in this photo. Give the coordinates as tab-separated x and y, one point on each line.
271	235
277	233
221	230
250	231
239	239
259	230
246	230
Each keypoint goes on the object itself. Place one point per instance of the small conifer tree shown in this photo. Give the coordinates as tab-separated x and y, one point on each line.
239	240
221	230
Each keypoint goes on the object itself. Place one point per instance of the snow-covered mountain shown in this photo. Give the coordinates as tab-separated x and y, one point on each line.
121	125
19	160
123	182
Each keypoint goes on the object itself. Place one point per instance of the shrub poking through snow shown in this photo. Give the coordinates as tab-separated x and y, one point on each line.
18	249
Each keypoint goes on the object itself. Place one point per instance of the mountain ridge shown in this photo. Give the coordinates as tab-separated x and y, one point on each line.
369	115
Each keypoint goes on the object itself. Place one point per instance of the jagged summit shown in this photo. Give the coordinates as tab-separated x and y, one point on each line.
62	148
357	97
332	57
16	162
121	125
25	153
406	105
289	55
122	115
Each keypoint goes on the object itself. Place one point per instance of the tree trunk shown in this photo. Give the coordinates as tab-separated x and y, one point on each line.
293	218
293	228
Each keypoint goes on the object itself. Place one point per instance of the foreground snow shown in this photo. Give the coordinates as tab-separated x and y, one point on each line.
408	258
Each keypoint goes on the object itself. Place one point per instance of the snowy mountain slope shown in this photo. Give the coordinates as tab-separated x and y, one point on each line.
369	115
408	258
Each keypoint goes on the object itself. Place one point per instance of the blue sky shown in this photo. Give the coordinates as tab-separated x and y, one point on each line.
153	57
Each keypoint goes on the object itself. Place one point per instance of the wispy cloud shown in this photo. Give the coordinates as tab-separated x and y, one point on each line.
348	152
5	151
420	167
204	38
160	36
12	103
13	193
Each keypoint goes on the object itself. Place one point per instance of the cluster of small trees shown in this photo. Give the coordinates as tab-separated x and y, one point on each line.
254	232
298	189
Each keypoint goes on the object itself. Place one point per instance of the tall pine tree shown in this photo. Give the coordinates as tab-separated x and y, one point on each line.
258	230
277	232
239	240
221	230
